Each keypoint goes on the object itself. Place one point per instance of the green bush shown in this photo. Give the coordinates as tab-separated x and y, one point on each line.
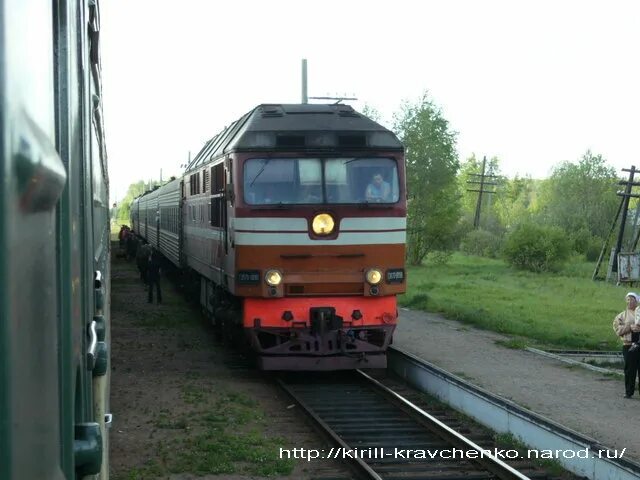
592	252
482	243
580	240
463	227
537	248
439	257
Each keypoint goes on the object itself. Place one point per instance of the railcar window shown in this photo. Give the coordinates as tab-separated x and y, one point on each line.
205	180
317	181
217	173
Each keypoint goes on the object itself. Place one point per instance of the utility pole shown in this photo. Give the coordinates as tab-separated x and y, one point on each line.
625	207
622	214
483	176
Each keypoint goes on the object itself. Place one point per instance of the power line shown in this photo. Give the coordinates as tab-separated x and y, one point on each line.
481	190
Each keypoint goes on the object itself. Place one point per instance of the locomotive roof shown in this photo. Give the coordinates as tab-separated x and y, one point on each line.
291	126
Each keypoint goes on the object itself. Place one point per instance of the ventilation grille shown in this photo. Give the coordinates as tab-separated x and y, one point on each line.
290	141
352	140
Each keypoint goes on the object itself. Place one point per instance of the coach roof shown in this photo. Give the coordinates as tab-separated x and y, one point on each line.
298	126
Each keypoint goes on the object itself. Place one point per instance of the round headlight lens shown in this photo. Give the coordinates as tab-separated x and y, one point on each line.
323	224
374	276
273	278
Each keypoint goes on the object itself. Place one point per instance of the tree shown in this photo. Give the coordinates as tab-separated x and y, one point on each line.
580	196
124	208
432	164
372	113
517	201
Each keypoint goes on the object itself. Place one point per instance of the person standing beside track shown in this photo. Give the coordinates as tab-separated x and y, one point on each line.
153	275
142	260
624	325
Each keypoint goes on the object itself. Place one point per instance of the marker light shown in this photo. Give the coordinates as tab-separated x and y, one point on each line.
323	224
273	277
374	276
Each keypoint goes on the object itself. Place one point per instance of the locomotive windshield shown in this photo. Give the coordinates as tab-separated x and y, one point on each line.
310	181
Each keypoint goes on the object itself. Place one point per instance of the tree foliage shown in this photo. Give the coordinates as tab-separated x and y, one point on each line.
580	196
124	207
432	164
516	201
371	112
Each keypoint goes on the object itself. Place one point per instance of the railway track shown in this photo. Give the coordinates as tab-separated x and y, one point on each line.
382	435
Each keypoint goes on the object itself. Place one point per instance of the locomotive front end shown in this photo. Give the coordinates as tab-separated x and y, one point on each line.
319	236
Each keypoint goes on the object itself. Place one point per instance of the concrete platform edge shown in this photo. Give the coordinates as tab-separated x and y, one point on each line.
504	416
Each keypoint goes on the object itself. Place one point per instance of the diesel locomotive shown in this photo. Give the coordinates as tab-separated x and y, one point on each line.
293	221
54	240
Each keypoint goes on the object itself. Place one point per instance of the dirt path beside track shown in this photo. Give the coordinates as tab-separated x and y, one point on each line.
186	407
588	402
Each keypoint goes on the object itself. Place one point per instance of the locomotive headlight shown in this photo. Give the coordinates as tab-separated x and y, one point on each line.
374	276
323	224
273	278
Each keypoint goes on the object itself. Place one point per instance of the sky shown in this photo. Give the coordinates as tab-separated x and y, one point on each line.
534	83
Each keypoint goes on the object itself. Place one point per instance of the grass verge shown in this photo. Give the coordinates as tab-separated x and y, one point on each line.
565	309
204	422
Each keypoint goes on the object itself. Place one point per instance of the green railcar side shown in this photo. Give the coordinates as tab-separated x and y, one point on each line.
54	243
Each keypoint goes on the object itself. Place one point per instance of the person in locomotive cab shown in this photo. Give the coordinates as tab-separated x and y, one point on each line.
624	325
310	194
378	190
153	275
269	195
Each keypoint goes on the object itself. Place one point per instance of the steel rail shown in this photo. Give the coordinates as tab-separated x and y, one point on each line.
352	426
488	461
360	466
502	415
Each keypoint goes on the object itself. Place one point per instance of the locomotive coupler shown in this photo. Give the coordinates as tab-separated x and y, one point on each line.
323	320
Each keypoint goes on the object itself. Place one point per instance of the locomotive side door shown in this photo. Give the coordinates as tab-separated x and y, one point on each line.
218	221
225	198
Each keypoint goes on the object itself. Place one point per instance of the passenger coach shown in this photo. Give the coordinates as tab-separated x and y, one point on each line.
294	220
